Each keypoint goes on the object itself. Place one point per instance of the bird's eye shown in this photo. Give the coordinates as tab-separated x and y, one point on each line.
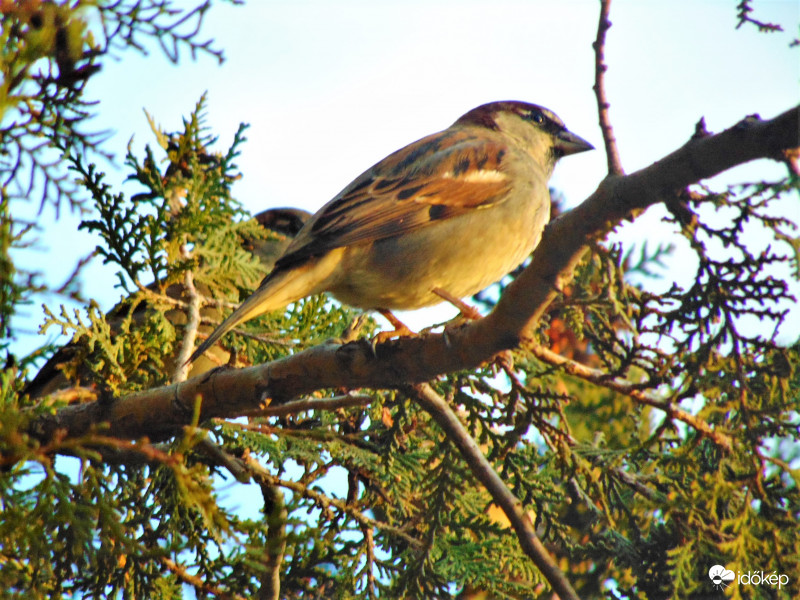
537	117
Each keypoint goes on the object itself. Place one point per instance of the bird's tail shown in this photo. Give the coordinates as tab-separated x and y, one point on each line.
275	292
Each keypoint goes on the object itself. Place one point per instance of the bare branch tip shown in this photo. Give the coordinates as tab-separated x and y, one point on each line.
700	130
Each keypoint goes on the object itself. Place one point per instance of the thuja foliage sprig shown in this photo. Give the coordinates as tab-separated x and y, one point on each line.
133	239
664	495
739	282
182	213
144	234
744	11
183	206
49	51
737	276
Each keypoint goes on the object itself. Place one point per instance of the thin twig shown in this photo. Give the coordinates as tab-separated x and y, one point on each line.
443	414
193	324
326	502
70	280
233	464
600	68
296	406
276	517
629	389
369	564
196	582
259	337
275	513
109	449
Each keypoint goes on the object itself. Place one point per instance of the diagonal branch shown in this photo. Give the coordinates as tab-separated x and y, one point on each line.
629	389
441	412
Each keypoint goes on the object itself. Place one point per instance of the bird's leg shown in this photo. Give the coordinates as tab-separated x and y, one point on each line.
400	328
505	359
468	312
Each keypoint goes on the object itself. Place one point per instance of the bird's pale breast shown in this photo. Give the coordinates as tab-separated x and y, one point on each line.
461	255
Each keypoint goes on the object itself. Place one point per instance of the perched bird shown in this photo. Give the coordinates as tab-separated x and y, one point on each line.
445	216
285	223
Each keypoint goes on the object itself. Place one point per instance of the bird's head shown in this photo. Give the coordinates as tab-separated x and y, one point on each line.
539	130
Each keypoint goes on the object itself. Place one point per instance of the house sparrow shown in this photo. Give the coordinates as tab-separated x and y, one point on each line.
284	222
452	212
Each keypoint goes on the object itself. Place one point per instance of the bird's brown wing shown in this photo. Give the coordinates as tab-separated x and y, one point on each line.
438	177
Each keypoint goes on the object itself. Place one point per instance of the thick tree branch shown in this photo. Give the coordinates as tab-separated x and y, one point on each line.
441	412
228	393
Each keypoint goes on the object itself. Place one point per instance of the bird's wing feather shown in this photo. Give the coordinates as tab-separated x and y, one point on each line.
438	177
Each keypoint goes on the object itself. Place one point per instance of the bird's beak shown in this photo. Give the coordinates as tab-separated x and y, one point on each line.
569	143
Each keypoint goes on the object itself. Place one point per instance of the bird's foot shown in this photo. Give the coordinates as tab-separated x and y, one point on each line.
400	329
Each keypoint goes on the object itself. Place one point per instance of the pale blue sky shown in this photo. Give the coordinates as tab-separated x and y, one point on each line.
329	88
